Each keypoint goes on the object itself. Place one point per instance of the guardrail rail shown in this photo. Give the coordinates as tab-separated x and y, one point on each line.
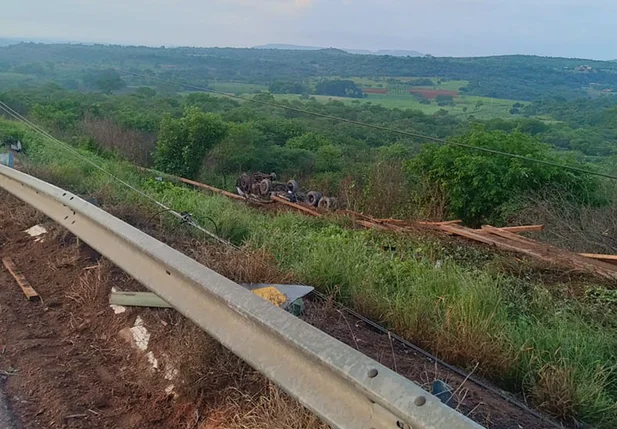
345	388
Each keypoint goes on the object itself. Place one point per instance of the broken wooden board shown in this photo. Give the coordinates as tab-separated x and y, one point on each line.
296	206
523	228
510	241
611	259
21	280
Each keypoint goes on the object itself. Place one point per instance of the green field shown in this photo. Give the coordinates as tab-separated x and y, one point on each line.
491	107
237	87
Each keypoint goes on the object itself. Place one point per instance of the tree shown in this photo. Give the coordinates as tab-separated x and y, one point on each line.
283	87
444	100
145	92
183	143
339	88
308	141
106	81
237	152
328	158
479	186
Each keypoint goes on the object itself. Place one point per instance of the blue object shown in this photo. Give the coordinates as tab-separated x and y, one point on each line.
443	392
7	159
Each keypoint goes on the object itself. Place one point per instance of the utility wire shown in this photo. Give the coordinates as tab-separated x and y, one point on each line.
183	217
345	120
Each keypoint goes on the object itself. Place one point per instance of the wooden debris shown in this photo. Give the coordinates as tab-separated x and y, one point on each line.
611	259
504	238
523	228
512	242
23	283
210	188
296	206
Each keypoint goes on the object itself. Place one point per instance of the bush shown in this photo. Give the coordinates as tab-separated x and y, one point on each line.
480	186
183	143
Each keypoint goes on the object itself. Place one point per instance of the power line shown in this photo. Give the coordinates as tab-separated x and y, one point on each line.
184	217
345	120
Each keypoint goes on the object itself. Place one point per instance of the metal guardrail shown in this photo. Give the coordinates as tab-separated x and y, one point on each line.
345	388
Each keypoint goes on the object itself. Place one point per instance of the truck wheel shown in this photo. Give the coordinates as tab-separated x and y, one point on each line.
323	203
313	198
292	186
264	187
332	204
244	183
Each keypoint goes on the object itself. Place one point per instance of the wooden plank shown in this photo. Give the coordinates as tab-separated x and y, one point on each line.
523	228
509	235
138	299
448	222
194	183
21	280
512	242
611	259
296	206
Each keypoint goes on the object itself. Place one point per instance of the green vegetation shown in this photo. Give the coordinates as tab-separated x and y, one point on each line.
183	143
457	302
553	339
515	77
480	186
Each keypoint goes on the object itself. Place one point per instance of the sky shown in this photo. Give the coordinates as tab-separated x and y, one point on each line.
568	28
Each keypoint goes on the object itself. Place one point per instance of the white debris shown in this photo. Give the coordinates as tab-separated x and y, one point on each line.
153	361
169	390
36	231
118	309
141	336
170	372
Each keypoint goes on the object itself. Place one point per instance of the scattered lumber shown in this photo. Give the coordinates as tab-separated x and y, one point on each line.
523	228
506	240
210	188
296	206
21	280
611	259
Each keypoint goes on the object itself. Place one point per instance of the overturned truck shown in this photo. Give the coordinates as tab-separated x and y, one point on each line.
261	186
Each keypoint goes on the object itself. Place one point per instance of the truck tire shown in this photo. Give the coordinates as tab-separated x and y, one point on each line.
323	203
264	187
244	183
313	198
332	204
292	186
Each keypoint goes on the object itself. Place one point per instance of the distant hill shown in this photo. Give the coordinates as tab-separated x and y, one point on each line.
392	52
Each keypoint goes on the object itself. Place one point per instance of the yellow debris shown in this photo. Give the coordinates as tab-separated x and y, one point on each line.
271	294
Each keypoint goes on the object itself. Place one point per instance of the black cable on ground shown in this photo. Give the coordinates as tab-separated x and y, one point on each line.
435	359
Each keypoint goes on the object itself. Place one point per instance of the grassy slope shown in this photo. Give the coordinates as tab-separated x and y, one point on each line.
560	351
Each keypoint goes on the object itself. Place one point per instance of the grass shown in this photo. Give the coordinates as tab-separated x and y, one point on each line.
491	107
237	87
522	334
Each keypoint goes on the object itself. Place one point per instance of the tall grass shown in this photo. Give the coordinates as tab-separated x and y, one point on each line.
514	331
